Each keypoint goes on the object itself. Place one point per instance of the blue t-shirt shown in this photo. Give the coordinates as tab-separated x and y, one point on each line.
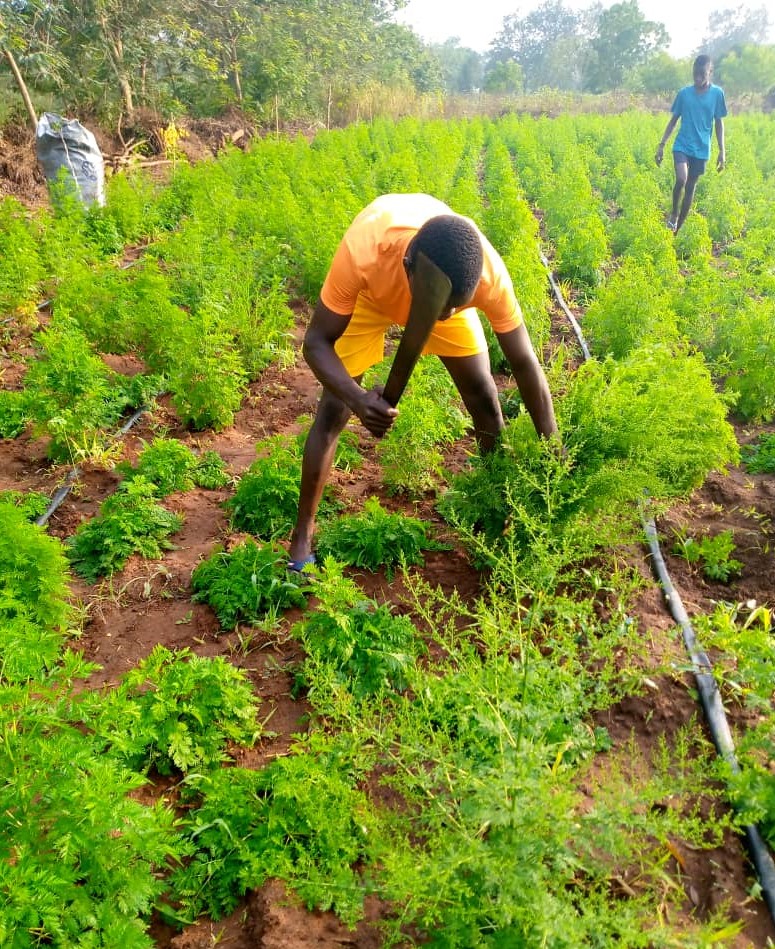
697	111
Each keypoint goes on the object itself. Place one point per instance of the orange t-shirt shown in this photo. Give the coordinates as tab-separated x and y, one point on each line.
369	261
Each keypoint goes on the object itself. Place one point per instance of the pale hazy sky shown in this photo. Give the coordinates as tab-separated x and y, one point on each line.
476	22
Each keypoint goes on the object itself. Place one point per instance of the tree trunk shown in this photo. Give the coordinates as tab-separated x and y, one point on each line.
126	94
22	88
236	73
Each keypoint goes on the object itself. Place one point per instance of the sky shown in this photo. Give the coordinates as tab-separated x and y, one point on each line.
476	22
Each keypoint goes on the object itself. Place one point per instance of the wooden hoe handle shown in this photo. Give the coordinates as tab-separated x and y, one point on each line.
430	294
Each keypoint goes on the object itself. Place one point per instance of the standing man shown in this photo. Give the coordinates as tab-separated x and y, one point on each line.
370	286
700	107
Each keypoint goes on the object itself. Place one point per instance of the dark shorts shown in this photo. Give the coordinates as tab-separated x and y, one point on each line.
696	166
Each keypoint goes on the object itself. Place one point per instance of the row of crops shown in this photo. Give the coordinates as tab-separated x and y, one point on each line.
479	721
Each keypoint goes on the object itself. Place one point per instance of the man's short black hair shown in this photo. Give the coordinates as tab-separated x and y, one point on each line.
453	244
701	62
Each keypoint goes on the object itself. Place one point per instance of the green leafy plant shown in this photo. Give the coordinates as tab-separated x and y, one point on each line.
130	521
741	636
81	860
633	308
14	413
713	553
364	646
71	394
267	495
376	538
205	375
31	503
301	820
242	585
171	466
34	606
175	711
430	418
759	458
210	471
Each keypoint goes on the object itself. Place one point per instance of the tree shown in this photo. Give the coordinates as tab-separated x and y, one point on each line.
110	43
505	77
748	69
27	44
734	27
623	40
661	75
224	30
402	58
546	44
308	53
462	68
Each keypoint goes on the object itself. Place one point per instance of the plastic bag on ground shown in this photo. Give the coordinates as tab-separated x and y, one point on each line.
65	143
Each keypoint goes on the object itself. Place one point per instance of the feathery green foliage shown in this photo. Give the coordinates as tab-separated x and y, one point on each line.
34	607
130	521
377	538
171	466
175	711
242	585
301	819
353	641
266	498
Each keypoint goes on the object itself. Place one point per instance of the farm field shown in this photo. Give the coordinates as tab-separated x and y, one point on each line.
476	725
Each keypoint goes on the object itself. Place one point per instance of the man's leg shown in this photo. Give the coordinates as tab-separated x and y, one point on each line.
681	175
474	382
691	185
319	450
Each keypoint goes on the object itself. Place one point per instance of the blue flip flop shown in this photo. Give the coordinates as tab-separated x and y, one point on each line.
297	566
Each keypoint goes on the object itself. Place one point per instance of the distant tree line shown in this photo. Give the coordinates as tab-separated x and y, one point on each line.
601	49
333	59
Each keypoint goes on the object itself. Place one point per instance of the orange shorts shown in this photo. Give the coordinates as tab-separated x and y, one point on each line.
362	344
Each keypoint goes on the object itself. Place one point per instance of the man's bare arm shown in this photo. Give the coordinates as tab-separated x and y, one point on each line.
530	379
324	330
722	155
665	138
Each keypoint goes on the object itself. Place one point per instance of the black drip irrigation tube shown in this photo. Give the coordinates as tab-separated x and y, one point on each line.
707	686
714	710
61	493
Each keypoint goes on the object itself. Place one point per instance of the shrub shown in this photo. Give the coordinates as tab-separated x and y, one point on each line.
34	607
130	521
244	584
266	499
175	711
376	538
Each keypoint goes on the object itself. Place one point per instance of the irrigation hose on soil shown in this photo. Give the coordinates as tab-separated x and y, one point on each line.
714	710
703	670
61	493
